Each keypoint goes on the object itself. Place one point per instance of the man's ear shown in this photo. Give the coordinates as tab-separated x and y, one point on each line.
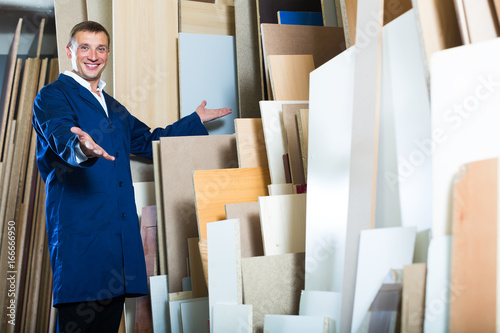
68	51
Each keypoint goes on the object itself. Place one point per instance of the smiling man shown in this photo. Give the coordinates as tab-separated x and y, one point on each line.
84	140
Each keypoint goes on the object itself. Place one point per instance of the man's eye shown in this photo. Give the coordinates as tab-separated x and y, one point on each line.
101	49
84	48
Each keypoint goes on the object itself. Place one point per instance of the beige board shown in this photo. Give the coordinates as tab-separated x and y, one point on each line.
180	157
250	143
272	285
475	248
40	37
101	11
292	135
68	14
303	127
145	59
251	235
196	268
142	169
413	302
206	18
289	75
323	43
480	19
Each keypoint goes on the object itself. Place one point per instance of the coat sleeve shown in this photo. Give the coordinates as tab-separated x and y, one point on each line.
52	119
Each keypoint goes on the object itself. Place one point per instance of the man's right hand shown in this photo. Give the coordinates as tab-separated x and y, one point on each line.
88	145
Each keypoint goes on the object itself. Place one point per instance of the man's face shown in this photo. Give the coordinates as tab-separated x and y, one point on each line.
89	54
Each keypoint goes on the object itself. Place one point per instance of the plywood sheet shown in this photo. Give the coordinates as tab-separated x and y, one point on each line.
216	188
195	315
295	324
289	75
328	171
301	18
274	135
67	15
323	43
272	285
210	76
233	318
198	283
250	90
250	143
303	130
250	230
380	250
413	302
205	152
480	20
102	11
145	79
158	287
293	141
474	254
283	223
224	264
323	304
206	18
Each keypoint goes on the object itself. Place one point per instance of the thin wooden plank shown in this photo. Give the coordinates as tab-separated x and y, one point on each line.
206	152
301	18
250	143
206	18
195	315
303	129
289	76
323	304
272	285
283	223
180	296
53	70
225	2
323	43
162	255
102	11
474	252
224	265
250	89
413	302
295	324
250	230
216	188
209	76
40	37
8	170
67	15
293	142
480	20
198	283
233	318
274	135
145	80
158	287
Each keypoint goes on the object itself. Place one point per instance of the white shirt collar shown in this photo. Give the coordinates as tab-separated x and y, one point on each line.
84	82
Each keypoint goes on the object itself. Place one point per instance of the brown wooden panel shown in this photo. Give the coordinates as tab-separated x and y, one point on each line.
292	135
206	18
196	267
250	143
289	75
250	231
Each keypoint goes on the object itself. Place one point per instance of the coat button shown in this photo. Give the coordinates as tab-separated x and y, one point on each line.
124	216
116	154
120	184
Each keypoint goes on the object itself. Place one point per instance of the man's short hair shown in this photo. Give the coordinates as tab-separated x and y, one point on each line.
89	26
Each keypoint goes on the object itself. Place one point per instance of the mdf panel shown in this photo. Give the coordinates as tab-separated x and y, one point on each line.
474	251
413	301
289	76
303	128
250	143
145	59
480	20
206	18
217	151
250	230
328	171
209	75
283	223
67	15
250	90
323	304
293	142
102	11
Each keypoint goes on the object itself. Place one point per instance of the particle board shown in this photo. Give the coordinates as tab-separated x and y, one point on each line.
175	310
323	304
272	285
463	107
215	188
480	20
274	136
145	80
301	18
206	18
283	223
250	143
328	171
158	287
67	15
195	315
162	256
348	9
248	64
295	324
303	130
289	76
102	11
233	318
209	76
474	252
198	283
438	282
293	141
224	265
279	189
380	250
250	230
323	43
413	302
206	152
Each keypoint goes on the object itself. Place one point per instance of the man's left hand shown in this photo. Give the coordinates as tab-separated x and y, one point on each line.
211	114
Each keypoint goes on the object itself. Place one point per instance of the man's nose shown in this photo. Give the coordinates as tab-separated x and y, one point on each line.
93	54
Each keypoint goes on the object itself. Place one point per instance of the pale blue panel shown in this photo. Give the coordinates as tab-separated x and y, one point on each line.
207	71
301	18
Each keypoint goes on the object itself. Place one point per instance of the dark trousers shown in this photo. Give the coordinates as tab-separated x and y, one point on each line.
91	316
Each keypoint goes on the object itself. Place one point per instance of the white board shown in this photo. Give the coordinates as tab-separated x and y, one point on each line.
158	290
194	315
295	324
176	315
323	304
207	71
144	193
279	189
233	318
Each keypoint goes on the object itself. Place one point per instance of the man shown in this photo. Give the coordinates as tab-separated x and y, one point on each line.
84	139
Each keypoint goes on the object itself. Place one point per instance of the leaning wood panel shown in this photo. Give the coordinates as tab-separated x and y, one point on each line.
145	59
474	254
480	20
196	268
206	18
413	302
289	75
250	143
292	136
303	128
250	231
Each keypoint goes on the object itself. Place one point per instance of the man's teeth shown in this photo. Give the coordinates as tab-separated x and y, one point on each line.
92	66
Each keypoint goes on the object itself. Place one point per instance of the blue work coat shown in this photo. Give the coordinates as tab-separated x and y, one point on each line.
92	225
